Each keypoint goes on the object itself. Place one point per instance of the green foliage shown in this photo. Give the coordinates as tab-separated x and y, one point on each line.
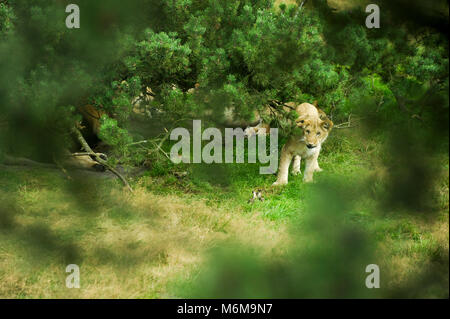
159	58
6	19
115	136
240	53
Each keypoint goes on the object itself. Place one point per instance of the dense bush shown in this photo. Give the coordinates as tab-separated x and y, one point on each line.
241	53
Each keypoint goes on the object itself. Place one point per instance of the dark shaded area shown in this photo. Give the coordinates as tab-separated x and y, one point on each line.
214	174
38	240
37	243
418	14
411	154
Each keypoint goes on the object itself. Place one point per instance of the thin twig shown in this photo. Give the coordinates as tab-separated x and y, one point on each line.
81	154
348	124
300	8
138	143
162	151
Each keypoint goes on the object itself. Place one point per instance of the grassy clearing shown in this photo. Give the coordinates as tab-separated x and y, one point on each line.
142	245
409	244
127	246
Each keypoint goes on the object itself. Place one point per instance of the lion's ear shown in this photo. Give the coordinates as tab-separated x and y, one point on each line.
322	114
327	125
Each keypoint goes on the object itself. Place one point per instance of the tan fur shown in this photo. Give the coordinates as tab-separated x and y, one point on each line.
316	126
307	146
305	110
261	128
92	115
257	130
84	162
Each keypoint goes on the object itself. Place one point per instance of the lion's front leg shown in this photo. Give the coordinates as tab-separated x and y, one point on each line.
283	169
296	165
316	166
310	168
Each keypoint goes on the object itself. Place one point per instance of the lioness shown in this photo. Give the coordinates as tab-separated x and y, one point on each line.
307	145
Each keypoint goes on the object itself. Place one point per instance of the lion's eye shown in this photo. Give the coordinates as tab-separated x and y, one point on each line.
308	131
318	133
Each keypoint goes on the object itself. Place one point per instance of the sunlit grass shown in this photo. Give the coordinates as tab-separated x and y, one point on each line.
126	245
142	245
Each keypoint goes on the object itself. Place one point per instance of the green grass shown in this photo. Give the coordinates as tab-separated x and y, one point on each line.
151	243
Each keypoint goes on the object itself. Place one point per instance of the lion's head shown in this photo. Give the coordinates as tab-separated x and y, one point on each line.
315	131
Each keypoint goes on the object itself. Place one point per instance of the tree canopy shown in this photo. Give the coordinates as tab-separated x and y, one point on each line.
239	53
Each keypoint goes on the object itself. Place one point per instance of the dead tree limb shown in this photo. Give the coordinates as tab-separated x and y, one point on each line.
90	152
158	146
349	124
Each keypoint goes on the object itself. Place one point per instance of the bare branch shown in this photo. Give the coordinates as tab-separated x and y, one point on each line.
90	152
349	124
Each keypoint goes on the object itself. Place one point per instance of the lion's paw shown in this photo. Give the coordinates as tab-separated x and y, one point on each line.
279	183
